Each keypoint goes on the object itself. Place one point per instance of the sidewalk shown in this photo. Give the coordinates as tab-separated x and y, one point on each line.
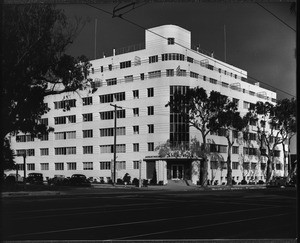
77	190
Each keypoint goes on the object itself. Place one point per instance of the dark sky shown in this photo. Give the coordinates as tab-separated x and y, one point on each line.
255	40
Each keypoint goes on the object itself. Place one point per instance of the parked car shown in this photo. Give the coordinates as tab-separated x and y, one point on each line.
35	178
58	180
79	180
277	181
12	178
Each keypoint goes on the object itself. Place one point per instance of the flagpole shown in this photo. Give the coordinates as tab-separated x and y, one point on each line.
225	43
95	54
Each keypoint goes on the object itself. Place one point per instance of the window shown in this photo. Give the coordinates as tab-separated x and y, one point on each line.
108	98
246	105
150	110
190	59
59	166
136	165
180	72
235	165
60	120
44	137
135	94
235	134
222	149
253	166
150	146
135	111
65	150
263	166
105	165
154	74
142	76
44	151
135	129
121	165
224	84
44	166
136	147
65	135
108	115
194	75
87	165
125	64
214	165
171	41
108	132
276	153
235	149
252	122
71	166
65	104
44	121
252	136
210	67
111	81
128	78
153	59
250	151
151	128
87	101
87	133
109	67
87	149
20	166
212	80
150	92
30	166
121	148
204	78
170	72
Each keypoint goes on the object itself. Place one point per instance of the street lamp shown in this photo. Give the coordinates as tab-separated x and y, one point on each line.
24	162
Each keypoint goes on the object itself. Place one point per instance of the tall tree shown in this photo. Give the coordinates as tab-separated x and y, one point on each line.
285	120
230	121
34	64
201	112
268	137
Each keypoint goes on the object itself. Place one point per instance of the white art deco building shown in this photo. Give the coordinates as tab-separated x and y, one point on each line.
141	83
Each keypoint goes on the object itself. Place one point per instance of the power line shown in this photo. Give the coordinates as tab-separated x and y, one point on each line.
199	53
276	16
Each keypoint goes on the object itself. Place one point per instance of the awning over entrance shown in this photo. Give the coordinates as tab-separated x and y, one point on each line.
176	168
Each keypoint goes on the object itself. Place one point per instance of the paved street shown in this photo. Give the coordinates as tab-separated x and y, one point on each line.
128	214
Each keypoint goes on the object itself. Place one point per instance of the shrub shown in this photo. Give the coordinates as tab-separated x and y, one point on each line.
126	178
135	182
243	182
161	183
260	182
120	181
145	182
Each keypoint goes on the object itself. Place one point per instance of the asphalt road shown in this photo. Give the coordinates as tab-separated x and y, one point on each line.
116	214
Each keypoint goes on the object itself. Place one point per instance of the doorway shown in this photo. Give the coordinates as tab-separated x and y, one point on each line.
177	172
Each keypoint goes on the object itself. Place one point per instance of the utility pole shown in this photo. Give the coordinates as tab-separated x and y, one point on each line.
95	48
115	141
24	159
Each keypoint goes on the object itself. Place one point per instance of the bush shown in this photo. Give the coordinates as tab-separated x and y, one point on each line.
120	181
102	181
110	181
135	182
145	183
243	182
161	183
127	178
233	182
260	182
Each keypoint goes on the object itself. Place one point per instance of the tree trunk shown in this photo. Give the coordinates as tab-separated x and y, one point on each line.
269	169
204	165
229	169
285	165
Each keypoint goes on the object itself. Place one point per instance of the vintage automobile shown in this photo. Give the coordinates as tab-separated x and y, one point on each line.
278	181
58	180
35	178
79	180
12	178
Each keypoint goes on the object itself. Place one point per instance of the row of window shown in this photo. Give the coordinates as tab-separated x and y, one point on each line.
121	165
121	148
103	165
245	166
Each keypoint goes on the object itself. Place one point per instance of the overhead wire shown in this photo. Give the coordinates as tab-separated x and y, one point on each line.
199	53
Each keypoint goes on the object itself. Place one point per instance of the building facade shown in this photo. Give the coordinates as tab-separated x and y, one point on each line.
141	83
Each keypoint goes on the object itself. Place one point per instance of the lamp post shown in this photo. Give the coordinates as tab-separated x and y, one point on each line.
24	162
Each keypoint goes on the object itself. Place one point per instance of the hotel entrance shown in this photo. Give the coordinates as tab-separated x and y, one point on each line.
177	172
